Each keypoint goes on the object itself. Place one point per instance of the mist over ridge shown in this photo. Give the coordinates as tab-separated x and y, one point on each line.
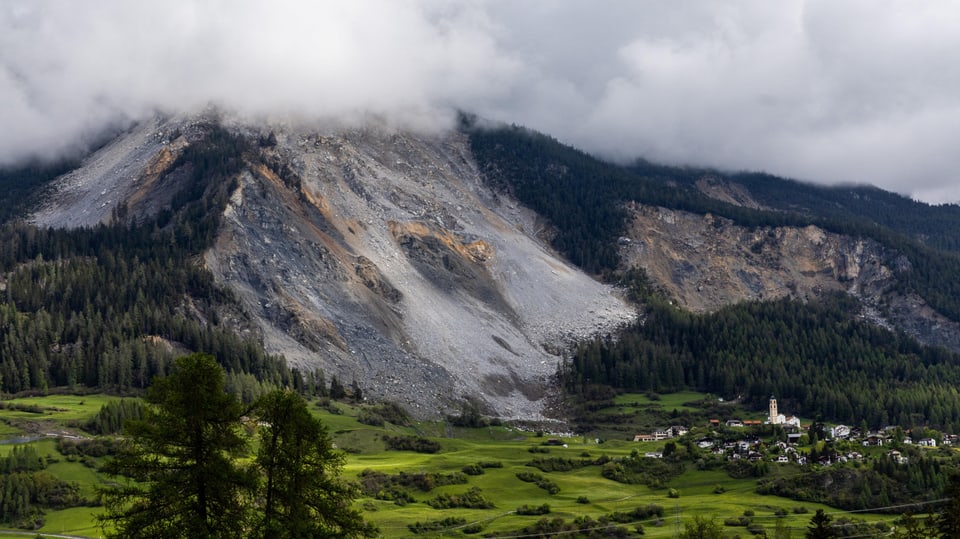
856	93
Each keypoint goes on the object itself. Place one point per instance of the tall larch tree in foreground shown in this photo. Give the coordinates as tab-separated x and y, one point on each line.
180	475
301	492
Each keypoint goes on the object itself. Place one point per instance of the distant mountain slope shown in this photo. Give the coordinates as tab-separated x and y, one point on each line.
787	300
721	243
935	226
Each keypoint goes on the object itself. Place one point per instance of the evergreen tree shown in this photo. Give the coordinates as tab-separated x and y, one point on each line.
702	528
909	527
947	521
301	492
820	527
337	391
185	482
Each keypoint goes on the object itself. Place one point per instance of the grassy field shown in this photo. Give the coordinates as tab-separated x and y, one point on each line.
671	401
583	491
52	413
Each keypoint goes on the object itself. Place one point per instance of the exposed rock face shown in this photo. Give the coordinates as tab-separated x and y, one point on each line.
131	173
706	262
378	256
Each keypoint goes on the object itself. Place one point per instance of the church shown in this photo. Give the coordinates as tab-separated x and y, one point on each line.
777	418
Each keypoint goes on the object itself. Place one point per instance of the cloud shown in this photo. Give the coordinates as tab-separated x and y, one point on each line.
832	92
854	92
66	68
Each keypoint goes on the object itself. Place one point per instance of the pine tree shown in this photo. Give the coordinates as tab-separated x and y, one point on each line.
301	492
820	527
337	391
185	482
947	521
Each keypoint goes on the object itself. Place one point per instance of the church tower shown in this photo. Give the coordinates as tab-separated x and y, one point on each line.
774	416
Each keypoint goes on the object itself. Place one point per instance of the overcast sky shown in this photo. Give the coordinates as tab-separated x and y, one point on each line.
824	90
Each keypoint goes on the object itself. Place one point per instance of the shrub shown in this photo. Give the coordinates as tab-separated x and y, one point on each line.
529	477
640	513
396	494
738	521
473	469
370	417
534	510
540	481
418	444
471	499
436	525
558	464
394	413
371	482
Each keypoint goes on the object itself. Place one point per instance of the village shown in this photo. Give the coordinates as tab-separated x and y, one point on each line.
793	441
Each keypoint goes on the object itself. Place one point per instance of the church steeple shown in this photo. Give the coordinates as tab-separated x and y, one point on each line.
774	416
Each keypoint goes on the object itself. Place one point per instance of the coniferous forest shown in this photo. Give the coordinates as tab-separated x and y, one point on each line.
814	357
95	307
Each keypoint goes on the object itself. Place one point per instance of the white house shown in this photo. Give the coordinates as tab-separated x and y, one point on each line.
840	431
662	434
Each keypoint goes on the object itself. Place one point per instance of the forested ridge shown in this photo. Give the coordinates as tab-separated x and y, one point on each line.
92	307
583	198
809	355
936	226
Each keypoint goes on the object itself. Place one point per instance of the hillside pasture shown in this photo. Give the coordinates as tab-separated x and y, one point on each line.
499	459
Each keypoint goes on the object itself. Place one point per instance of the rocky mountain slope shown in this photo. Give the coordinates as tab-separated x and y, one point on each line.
706	262
387	257
376	255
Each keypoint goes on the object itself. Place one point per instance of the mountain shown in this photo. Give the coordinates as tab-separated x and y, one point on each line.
378	256
434	269
709	239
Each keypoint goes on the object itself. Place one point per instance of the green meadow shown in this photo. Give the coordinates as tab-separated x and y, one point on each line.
505	450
